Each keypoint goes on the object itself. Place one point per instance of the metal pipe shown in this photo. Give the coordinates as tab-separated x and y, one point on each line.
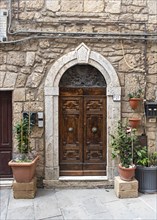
77	37
84	33
10	16
145	65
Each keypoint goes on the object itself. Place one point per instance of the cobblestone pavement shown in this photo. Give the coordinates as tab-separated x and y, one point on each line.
71	204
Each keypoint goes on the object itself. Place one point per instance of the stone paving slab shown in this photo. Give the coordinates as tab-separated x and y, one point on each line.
20	209
149	201
46	205
83	204
4	200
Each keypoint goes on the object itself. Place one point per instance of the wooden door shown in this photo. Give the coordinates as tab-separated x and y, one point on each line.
82	131
5	133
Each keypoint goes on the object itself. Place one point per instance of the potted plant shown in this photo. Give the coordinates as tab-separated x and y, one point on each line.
146	171
122	147
134	122
24	162
135	98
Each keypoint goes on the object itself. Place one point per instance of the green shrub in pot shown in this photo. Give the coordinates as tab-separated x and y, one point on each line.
122	143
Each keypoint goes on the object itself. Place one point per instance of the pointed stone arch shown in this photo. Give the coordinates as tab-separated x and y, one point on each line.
81	55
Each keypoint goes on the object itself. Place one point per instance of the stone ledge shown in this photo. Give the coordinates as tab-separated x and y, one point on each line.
125	189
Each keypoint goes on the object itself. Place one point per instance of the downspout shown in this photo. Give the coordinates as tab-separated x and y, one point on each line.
145	81
10	16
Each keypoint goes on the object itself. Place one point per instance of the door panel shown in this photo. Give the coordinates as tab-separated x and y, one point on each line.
5	133
5	157
70	135
82	131
94	140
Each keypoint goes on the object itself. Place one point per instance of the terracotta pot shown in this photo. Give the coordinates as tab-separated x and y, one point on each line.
134	122
126	174
23	172
134	102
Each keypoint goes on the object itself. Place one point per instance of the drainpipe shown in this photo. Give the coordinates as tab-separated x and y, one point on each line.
145	81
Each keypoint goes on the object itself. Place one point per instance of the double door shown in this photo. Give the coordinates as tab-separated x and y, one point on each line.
82	131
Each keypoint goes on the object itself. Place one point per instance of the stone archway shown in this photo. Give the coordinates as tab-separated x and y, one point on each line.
81	55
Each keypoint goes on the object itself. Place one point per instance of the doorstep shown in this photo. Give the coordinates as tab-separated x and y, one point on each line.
75	178
79	182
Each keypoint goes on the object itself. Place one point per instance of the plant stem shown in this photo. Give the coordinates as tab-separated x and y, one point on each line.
21	132
132	147
29	122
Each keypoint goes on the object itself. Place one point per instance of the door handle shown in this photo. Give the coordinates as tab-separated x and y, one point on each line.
94	129
70	129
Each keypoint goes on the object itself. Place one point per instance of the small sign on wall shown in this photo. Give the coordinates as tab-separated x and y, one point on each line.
116	98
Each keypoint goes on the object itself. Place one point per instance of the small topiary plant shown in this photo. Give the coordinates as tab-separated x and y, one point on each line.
23	131
122	144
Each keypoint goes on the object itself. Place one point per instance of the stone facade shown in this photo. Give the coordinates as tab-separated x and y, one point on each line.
48	36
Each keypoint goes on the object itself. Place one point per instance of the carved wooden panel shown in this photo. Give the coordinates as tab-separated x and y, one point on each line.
82	132
70	134
94	135
82	76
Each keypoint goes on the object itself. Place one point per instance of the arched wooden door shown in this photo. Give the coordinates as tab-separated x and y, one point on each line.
82	122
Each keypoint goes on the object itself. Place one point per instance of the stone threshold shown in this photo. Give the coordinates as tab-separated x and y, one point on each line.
6	182
82	178
79	182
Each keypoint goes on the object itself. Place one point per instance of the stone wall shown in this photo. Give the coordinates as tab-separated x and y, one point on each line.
81	15
24	64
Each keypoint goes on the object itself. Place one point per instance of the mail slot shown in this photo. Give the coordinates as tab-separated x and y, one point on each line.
151	109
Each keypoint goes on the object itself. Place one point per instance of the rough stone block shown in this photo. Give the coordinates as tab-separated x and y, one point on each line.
24	194
93	5
125	189
25	190
16	58
113	7
72	6
19	94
